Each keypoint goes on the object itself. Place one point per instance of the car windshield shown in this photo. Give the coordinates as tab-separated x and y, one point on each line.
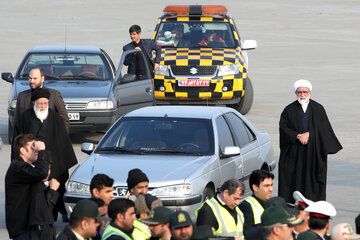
148	135
67	66
195	34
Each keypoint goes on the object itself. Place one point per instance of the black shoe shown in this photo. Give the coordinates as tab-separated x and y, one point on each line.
65	218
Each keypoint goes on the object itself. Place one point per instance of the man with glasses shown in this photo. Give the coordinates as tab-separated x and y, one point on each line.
306	138
222	212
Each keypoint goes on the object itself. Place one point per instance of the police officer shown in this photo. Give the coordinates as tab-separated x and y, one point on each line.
222	212
278	224
261	185
319	222
300	204
143	206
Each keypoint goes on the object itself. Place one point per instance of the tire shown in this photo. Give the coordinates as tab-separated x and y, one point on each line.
10	132
246	102
208	193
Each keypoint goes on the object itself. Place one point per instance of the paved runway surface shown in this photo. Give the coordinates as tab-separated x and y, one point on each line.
314	40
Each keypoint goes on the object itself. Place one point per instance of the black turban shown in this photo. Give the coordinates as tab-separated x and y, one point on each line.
40	93
136	176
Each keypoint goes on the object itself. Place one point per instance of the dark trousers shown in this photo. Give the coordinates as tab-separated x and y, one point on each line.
30	235
60	205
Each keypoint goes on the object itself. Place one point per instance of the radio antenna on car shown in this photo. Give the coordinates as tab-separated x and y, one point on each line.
65	37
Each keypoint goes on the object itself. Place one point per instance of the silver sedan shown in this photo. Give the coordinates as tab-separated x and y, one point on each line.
187	152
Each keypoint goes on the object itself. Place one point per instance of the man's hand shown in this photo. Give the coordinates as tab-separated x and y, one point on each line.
39	145
303	137
54	184
138	48
238	238
156	65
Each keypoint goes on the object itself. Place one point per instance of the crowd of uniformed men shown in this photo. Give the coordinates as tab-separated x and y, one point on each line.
226	215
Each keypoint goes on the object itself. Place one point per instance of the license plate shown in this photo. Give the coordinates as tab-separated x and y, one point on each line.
74	116
193	83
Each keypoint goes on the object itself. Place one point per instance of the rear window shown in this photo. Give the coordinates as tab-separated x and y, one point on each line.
67	66
194	33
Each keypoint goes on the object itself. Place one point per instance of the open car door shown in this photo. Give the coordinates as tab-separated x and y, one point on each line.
134	91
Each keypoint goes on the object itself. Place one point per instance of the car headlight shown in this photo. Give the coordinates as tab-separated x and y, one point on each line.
228	69
175	190
75	187
12	103
162	70
105	104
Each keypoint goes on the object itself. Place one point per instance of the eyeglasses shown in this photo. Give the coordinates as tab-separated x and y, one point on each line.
300	92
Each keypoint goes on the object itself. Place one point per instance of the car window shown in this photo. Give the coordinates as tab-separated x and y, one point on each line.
68	66
134	67
193	34
225	137
161	135
239	129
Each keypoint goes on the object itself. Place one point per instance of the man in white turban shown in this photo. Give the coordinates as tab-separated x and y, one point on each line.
306	138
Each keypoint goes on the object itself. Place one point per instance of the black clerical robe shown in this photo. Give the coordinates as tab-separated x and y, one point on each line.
304	167
52	131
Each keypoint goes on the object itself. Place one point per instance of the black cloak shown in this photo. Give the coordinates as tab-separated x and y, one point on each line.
304	167
52	131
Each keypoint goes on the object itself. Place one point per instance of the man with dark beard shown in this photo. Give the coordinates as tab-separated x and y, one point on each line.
46	125
56	102
306	138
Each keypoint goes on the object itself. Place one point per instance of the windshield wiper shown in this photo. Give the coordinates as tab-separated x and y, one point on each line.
90	77
51	76
24	75
169	150
118	149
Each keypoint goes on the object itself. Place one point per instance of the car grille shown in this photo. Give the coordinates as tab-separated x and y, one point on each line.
122	191
210	88
73	106
195	71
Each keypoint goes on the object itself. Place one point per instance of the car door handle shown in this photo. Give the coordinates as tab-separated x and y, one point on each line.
148	90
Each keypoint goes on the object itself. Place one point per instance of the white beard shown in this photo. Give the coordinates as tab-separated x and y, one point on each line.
303	101
41	115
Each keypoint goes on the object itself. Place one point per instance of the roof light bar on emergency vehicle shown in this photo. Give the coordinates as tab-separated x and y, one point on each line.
184	10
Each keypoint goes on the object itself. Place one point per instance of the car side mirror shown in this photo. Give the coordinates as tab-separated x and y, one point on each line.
128	78
87	148
230	151
249	45
7	76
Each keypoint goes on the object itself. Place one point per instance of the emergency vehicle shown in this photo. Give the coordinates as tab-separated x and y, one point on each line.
203	59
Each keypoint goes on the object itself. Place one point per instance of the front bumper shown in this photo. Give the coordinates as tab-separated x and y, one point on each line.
189	204
94	120
221	90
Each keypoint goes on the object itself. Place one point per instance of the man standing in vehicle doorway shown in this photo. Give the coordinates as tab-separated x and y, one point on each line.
136	61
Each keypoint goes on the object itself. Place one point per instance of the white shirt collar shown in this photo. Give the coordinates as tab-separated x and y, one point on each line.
78	236
218	197
304	106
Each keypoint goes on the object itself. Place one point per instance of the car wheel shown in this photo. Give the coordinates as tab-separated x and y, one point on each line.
208	193
10	132
246	102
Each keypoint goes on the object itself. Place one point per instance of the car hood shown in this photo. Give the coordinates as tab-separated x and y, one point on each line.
213	56
73	88
160	169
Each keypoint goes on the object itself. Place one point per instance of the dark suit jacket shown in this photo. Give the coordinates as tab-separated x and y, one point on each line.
67	234
149	46
25	199
56	103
